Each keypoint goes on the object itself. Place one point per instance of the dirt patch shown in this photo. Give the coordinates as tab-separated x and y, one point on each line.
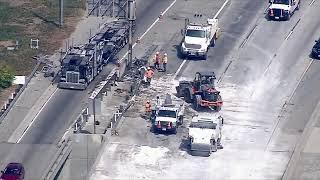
15	2
6	43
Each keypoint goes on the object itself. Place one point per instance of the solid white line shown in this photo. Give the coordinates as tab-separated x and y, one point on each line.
179	69
150	27
217	14
214	17
301	77
37	115
289	35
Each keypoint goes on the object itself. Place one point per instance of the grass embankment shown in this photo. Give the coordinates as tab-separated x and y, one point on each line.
23	20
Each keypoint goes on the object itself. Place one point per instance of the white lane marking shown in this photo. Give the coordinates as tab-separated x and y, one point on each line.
288	101
301	77
312	2
179	69
289	35
215	16
37	115
150	27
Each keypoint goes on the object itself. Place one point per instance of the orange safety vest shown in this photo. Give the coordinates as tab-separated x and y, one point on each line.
148	107
149	73
157	58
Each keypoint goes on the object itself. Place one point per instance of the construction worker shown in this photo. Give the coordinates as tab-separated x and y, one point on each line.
157	60
118	66
164	62
158	101
148	75
148	107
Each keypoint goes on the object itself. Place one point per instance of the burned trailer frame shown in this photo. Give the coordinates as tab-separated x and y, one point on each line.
116	36
82	64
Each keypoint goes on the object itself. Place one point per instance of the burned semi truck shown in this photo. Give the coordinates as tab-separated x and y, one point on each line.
82	64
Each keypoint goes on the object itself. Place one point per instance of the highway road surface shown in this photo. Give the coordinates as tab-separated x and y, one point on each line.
268	84
38	144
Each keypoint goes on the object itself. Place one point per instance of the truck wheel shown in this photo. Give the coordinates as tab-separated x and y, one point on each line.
289	16
218	108
215	147
154	129
187	96
196	102
180	120
178	91
213	41
205	56
175	131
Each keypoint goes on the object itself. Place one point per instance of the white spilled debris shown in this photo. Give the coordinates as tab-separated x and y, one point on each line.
149	156
160	87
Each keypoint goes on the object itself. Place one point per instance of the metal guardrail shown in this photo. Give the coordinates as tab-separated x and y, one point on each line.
59	158
4	114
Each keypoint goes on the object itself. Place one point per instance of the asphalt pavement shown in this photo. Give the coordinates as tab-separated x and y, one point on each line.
259	65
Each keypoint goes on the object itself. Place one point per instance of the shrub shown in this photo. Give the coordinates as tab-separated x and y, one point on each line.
6	76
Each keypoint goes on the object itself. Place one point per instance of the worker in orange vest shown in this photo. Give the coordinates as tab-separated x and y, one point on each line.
156	60
148	107
164	62
148	75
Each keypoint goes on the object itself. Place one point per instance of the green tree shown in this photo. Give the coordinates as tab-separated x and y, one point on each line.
6	76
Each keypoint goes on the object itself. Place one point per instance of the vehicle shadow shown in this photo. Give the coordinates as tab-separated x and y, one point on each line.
185	146
166	133
181	56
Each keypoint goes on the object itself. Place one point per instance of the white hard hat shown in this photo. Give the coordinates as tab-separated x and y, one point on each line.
165	54
148	68
157	52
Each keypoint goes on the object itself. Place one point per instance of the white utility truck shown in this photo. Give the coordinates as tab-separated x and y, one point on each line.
167	117
205	134
199	35
282	9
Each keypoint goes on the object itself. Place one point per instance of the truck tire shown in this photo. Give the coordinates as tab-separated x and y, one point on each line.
289	16
205	56
175	131
218	108
213	41
180	120
196	102
187	95
215	147
178	91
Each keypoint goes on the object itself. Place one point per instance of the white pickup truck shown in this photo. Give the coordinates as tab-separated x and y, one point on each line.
282	9
205	134
198	37
167	117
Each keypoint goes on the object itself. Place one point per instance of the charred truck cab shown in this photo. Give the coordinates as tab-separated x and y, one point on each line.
77	67
282	9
